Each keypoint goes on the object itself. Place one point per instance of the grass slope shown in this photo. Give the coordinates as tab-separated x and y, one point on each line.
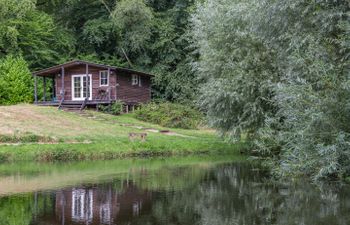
93	136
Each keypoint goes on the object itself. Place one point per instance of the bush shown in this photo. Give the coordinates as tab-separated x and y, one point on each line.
16	83
115	109
26	137
170	115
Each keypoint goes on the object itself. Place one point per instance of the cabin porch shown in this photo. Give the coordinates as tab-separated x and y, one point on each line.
88	103
80	105
75	85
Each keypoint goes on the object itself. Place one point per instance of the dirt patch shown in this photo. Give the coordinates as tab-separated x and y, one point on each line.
24	118
175	134
6	130
151	130
46	121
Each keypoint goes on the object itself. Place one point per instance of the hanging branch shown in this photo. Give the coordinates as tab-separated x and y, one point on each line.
127	58
110	13
106	6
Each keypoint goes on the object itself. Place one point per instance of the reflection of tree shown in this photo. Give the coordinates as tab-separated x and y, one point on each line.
16	210
20	209
237	195
169	178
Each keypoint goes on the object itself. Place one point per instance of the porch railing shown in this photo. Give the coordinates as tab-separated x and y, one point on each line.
62	98
104	94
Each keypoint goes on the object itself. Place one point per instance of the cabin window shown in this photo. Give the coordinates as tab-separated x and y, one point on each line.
136	80
104	78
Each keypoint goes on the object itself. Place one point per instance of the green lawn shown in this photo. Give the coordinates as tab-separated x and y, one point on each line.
70	136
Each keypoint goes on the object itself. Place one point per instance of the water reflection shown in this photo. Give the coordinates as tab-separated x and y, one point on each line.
97	204
225	194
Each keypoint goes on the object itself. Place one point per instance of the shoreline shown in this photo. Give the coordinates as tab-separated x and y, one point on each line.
88	152
34	133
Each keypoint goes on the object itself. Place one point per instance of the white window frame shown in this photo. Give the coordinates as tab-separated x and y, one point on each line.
140	83
104	85
136	80
82	86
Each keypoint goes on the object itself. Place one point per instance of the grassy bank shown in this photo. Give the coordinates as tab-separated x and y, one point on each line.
30	132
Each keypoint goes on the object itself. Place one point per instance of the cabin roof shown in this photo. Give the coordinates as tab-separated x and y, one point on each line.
57	68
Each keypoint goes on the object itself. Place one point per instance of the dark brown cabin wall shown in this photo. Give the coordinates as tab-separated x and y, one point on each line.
121	205
78	70
133	93
124	91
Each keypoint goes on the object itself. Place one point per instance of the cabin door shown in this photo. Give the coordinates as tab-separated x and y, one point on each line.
80	88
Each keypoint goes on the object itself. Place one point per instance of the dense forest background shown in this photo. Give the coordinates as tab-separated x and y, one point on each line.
147	35
274	72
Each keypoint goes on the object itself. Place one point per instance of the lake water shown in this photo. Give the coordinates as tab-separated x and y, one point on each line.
182	191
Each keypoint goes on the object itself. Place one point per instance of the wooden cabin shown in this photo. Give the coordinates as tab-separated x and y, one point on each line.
78	84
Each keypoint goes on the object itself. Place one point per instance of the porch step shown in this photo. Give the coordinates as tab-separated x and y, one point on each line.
71	110
71	106
72	102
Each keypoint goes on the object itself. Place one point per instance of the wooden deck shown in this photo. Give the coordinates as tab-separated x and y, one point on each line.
90	102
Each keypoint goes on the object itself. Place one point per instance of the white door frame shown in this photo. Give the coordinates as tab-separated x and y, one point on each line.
82	85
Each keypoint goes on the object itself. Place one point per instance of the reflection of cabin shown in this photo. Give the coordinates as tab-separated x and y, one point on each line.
79	83
99	205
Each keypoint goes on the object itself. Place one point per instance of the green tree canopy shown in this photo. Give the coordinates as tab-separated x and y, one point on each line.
237	68
16	83
134	20
26	31
279	70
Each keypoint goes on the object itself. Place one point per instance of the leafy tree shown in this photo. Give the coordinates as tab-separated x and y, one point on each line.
16	83
31	33
41	42
312	122
279	70
10	12
134	20
172	53
237	68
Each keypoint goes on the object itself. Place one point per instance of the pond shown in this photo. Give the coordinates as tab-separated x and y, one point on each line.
201	190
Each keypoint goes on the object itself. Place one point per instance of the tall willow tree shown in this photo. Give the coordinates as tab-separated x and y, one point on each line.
312	123
238	69
279	70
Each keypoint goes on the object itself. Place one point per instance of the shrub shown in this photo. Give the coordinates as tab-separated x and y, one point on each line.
170	115
115	109
16	84
26	137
